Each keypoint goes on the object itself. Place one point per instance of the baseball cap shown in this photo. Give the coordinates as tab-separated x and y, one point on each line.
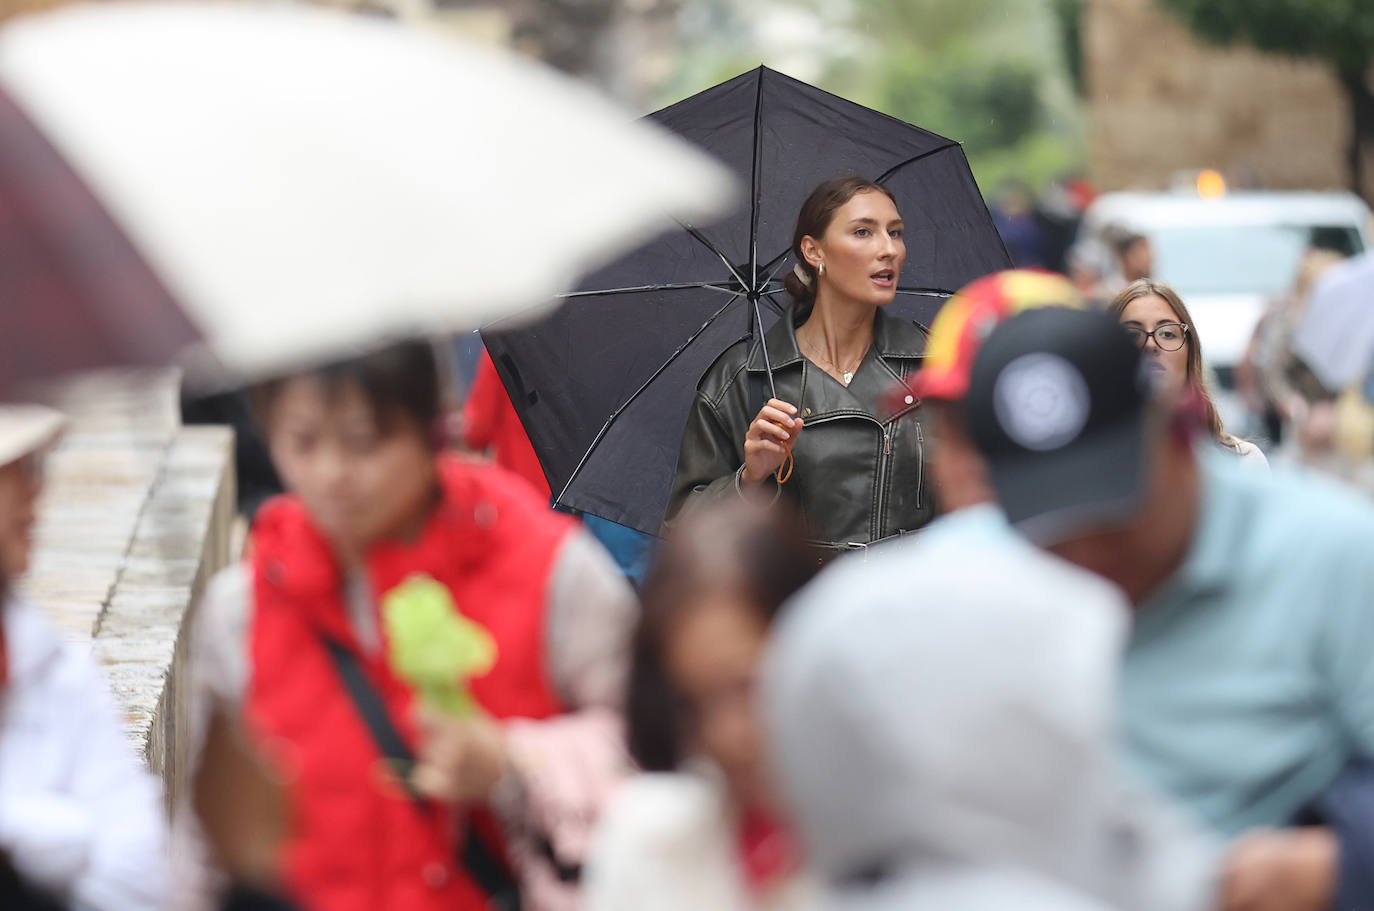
969	316
1059	406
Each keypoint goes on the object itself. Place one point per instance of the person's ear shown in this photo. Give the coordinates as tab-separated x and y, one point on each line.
811	251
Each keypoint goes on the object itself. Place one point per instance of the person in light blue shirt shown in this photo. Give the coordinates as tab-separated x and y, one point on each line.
1248	687
1249	679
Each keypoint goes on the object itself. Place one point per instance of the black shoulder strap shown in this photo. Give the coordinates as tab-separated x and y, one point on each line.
481	864
375	716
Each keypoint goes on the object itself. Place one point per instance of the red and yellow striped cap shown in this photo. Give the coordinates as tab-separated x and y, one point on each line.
969	317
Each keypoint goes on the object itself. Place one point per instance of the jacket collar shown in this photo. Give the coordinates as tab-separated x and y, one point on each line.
892	338
871	394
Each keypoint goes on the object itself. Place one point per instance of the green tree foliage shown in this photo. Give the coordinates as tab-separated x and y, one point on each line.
1339	32
1069	14
988	73
986	106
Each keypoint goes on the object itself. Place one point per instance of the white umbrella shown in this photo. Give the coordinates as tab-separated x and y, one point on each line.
1336	335
305	181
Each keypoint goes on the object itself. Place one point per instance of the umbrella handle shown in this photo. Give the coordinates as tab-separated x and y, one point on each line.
785	470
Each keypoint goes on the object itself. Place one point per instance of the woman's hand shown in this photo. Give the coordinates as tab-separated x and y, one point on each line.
769	439
460	760
1281	870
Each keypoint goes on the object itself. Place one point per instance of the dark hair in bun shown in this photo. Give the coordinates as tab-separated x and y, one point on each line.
813	220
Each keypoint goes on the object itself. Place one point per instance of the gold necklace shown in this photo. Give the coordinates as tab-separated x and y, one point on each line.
846	376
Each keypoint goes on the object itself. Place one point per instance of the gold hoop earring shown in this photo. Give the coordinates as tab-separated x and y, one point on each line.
820	269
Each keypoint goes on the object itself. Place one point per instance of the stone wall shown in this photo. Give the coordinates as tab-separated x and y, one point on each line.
1160	101
137	513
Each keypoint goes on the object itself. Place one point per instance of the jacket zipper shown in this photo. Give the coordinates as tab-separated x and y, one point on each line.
880	503
920	463
876	526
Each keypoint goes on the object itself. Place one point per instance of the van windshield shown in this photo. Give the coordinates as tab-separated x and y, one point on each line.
1244	259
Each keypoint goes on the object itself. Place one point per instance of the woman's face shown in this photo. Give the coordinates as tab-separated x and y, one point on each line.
360	485
712	658
863	250
20	484
1168	369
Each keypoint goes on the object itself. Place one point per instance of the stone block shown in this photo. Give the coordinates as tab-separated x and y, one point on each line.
140	573
155	649
136	515
1160	101
144	609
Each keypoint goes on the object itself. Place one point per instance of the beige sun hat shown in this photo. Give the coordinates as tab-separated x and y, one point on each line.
27	428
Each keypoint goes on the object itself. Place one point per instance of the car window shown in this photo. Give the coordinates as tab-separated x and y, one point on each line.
1249	259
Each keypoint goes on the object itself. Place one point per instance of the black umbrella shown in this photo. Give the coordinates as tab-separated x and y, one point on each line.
603	385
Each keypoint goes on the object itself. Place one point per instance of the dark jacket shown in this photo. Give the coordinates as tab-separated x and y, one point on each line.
859	474
1348	809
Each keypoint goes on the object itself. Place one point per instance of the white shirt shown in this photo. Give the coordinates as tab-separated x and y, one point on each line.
79	816
667	843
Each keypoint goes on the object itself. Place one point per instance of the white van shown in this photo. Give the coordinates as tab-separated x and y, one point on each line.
1228	256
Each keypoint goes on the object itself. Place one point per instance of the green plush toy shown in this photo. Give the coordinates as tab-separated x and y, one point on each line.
434	648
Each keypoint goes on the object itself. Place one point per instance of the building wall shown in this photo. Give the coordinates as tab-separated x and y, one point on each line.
1160	101
136	515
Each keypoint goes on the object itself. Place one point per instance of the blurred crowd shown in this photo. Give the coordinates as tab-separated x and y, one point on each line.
995	613
1297	413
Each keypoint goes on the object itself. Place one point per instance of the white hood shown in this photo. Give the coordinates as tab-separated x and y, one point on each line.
947	707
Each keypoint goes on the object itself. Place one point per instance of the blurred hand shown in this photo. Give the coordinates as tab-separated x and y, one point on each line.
1281	870
769	439
240	802
453	429
460	760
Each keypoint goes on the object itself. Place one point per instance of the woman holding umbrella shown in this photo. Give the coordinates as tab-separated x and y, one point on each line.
806	410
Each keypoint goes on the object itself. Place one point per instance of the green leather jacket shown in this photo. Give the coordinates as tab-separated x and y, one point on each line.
860	473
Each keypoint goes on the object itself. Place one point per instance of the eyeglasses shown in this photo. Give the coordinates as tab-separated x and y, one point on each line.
1167	336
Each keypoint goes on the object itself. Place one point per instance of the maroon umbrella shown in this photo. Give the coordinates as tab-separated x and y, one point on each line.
74	293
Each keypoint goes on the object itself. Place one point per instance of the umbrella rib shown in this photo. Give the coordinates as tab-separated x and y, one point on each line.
951	145
926	292
610	292
639	289
901	164
769	295
754	188
605	428
712	247
777	260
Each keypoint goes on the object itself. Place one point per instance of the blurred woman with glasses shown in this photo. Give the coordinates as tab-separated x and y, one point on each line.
1156	317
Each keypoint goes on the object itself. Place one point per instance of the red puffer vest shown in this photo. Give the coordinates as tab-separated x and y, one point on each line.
358	843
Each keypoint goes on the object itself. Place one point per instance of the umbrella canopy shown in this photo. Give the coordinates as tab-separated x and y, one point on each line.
304	182
1336	335
77	295
603	386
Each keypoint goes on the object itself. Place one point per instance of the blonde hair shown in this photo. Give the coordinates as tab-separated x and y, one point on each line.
1146	287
